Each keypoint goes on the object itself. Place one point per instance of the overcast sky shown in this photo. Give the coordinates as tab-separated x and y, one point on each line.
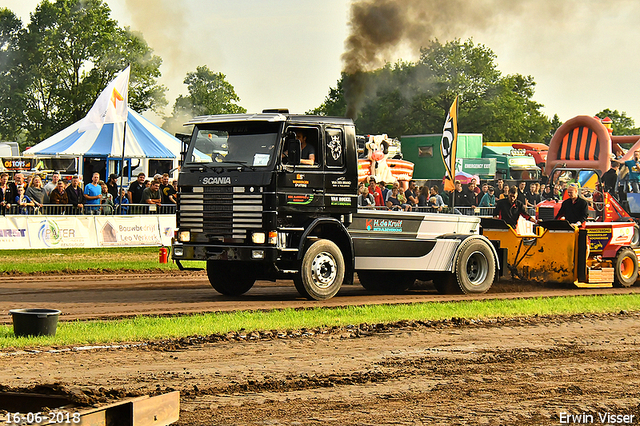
287	53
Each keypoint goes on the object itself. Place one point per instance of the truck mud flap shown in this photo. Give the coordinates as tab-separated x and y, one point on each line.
581	264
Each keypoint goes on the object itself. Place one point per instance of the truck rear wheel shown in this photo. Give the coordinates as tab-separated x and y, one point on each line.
475	268
394	282
230	279
626	269
321	272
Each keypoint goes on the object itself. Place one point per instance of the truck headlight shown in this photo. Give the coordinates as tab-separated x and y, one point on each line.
258	238
178	251
184	236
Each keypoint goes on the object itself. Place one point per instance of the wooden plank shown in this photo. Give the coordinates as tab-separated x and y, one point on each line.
604	275
157	410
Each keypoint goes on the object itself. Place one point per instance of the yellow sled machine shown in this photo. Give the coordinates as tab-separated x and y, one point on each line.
597	255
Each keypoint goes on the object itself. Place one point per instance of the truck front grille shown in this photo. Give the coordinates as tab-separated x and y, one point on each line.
227	212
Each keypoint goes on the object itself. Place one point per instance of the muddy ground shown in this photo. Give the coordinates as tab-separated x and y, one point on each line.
530	371
520	371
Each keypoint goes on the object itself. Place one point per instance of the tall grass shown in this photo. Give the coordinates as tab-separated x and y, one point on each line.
84	259
146	328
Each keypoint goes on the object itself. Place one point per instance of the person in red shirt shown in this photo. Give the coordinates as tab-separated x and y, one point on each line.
376	192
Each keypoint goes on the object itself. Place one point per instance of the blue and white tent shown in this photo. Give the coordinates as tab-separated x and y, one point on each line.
143	140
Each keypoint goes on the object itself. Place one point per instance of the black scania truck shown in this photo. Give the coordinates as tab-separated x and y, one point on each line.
253	209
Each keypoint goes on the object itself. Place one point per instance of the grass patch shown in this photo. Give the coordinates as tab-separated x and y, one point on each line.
80	259
145	328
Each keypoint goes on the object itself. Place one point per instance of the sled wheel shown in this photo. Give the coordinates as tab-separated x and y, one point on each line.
391	282
230	280
321	272
626	270
475	267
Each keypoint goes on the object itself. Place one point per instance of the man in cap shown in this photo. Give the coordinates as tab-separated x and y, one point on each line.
112	185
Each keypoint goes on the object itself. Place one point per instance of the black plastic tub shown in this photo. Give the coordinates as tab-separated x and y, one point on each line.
34	322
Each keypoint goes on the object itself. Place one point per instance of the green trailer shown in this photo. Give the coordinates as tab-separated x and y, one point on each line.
424	152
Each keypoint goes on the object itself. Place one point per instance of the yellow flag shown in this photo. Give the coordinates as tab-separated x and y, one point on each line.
448	145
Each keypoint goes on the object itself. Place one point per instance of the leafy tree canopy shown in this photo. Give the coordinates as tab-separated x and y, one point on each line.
10	82
209	93
67	54
412	98
622	125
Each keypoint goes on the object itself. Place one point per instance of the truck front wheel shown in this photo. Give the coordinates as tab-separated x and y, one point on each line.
475	267
230	279
321	272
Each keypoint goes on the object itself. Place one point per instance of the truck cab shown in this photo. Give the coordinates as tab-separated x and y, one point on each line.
245	194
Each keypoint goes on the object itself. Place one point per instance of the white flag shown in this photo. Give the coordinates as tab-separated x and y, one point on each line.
111	105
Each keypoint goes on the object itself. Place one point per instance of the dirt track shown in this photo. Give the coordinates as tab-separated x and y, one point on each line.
521	371
109	296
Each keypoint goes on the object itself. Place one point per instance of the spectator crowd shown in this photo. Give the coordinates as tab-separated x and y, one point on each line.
28	195
379	195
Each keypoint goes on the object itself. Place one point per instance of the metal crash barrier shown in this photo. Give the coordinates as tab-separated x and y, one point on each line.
467	211
70	210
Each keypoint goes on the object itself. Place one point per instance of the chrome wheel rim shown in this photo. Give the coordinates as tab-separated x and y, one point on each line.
477	268
324	270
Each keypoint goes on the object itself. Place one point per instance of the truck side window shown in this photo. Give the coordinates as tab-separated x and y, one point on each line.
309	152
334	140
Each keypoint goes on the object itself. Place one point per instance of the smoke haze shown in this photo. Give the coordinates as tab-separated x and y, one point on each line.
163	25
380	28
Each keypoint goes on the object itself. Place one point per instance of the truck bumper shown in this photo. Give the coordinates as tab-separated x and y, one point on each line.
256	253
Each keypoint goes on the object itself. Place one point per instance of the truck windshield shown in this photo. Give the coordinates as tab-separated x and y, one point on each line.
249	143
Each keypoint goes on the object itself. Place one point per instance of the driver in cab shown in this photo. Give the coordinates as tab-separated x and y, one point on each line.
307	151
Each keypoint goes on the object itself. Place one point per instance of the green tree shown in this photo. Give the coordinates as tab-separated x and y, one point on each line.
513	116
622	125
11	81
555	124
70	51
209	93
409	98
334	104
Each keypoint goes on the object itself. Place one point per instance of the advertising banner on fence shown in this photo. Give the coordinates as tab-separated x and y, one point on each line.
61	231
25	232
13	232
128	231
